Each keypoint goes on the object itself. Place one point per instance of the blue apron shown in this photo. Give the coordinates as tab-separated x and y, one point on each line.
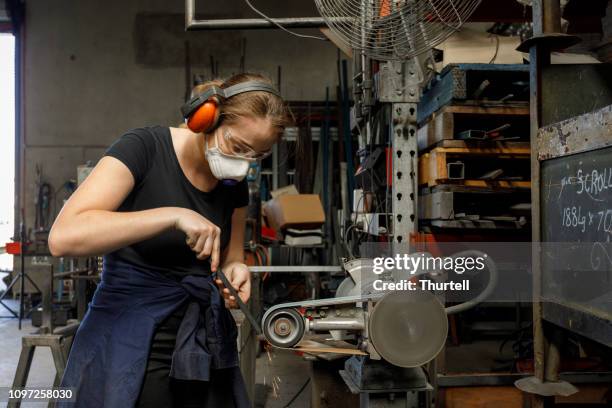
107	362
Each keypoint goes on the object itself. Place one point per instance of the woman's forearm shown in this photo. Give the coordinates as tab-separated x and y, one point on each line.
234	257
96	232
235	250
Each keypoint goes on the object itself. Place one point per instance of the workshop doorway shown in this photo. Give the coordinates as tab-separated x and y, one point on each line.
7	149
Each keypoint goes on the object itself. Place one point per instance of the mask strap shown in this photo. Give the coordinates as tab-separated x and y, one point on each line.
216	141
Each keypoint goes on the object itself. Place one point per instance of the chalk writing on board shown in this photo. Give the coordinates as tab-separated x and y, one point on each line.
592	183
599	255
574	217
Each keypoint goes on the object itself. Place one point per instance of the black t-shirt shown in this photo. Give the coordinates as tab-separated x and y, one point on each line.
160	182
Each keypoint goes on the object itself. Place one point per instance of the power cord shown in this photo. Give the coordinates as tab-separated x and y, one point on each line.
297	394
496	49
281	27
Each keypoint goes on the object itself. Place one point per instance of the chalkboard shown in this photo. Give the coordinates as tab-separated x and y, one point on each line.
576	195
576	230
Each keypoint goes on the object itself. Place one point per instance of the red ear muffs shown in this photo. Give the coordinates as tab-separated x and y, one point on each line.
205	117
202	112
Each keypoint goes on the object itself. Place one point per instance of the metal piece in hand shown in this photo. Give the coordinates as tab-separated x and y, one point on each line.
243	307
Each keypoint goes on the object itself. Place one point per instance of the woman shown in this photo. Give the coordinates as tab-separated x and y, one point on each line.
168	206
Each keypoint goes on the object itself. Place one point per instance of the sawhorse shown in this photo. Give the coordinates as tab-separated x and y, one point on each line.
59	342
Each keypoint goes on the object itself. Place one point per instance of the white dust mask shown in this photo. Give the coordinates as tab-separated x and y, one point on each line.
227	168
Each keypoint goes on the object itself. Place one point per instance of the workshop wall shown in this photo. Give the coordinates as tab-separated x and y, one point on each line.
96	69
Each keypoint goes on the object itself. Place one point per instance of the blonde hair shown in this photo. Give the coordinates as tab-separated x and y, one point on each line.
255	104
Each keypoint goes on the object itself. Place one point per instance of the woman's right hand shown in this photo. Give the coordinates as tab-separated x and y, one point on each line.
202	236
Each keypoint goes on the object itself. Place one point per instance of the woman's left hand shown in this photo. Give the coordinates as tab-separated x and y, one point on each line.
239	276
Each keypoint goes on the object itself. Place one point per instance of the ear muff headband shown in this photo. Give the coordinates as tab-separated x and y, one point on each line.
202	111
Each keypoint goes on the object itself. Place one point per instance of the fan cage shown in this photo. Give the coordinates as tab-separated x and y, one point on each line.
395	29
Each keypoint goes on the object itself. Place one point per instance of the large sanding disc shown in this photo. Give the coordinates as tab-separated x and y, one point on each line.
345	287
408	328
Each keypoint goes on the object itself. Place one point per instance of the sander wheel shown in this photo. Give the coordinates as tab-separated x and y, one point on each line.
284	328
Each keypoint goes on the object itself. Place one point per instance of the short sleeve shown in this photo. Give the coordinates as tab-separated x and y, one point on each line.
136	149
241	196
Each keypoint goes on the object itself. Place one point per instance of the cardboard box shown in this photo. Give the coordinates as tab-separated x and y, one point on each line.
295	210
290	189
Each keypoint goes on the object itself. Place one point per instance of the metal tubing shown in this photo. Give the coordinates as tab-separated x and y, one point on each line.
21	270
47	303
544	14
247	23
539	57
70	274
551	16
256	23
552	366
336	323
289	268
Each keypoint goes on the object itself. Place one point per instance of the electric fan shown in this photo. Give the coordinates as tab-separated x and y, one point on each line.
394	29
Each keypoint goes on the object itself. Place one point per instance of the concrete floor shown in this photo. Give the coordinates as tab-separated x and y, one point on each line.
291	369
42	370
293	372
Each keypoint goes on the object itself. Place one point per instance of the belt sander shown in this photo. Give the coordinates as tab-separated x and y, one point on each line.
406	328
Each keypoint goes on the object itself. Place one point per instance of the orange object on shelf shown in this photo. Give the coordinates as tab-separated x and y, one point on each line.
13	248
268	233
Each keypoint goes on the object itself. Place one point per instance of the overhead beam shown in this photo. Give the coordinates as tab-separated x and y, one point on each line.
191	23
